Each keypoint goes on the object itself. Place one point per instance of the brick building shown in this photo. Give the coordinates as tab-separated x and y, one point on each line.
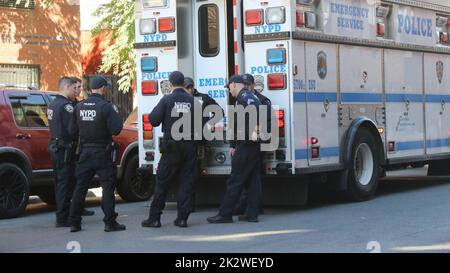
38	46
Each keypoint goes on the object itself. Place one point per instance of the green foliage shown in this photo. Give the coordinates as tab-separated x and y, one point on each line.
46	3
117	18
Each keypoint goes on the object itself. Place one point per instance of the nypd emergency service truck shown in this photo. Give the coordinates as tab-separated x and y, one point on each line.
360	85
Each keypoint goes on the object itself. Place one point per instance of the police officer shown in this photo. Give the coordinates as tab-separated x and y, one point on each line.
205	101
77	89
179	152
249	82
97	120
62	148
245	165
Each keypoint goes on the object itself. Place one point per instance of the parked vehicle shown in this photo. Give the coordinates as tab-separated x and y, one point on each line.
25	164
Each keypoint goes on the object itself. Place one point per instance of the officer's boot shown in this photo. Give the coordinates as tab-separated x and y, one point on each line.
151	223
114	227
180	223
75	227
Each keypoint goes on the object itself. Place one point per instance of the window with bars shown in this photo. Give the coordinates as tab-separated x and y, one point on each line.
20	4
20	75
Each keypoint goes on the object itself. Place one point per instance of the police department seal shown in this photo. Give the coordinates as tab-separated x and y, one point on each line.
322	64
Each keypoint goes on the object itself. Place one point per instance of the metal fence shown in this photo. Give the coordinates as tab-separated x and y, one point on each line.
19	74
123	101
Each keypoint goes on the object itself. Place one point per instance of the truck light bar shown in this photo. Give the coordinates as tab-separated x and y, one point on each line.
276	56
149	64
254	17
166	25
275	15
149	87
276	81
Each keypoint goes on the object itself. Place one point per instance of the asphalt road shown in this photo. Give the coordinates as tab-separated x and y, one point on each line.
409	214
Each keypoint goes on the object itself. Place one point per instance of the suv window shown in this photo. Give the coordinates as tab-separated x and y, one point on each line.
29	110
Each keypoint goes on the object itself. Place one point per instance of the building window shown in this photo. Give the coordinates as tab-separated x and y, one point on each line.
19	4
29	110
208	24
20	75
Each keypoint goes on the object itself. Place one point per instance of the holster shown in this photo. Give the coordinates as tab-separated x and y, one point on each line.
68	147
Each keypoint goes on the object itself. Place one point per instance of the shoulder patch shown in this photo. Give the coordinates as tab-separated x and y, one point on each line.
69	108
115	108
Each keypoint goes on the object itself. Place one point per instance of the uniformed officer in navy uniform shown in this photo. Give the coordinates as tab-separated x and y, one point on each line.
62	147
245	165
249	82
97	120
179	154
205	101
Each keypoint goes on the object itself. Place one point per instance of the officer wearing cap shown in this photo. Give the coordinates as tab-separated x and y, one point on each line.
249	82
179	152
245	165
205	101
62	148
96	121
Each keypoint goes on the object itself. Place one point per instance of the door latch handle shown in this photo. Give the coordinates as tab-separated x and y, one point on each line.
23	136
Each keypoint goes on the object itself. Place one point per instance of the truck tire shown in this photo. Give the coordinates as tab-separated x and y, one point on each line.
47	195
364	169
131	188
14	191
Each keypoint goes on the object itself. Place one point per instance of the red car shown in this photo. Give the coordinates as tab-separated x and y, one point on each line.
25	164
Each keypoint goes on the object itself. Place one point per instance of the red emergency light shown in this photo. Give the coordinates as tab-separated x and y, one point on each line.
166	25
276	81
147	127
381	29
254	17
300	18
149	87
443	37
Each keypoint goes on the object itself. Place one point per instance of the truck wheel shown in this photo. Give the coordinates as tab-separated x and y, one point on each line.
14	191
131	188
48	196
364	168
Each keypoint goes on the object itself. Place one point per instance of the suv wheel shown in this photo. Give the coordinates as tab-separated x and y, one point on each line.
14	191
131	188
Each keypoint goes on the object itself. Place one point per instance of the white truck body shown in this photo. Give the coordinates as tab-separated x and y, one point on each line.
332	66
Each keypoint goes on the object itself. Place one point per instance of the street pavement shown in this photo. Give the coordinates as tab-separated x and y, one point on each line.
411	213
